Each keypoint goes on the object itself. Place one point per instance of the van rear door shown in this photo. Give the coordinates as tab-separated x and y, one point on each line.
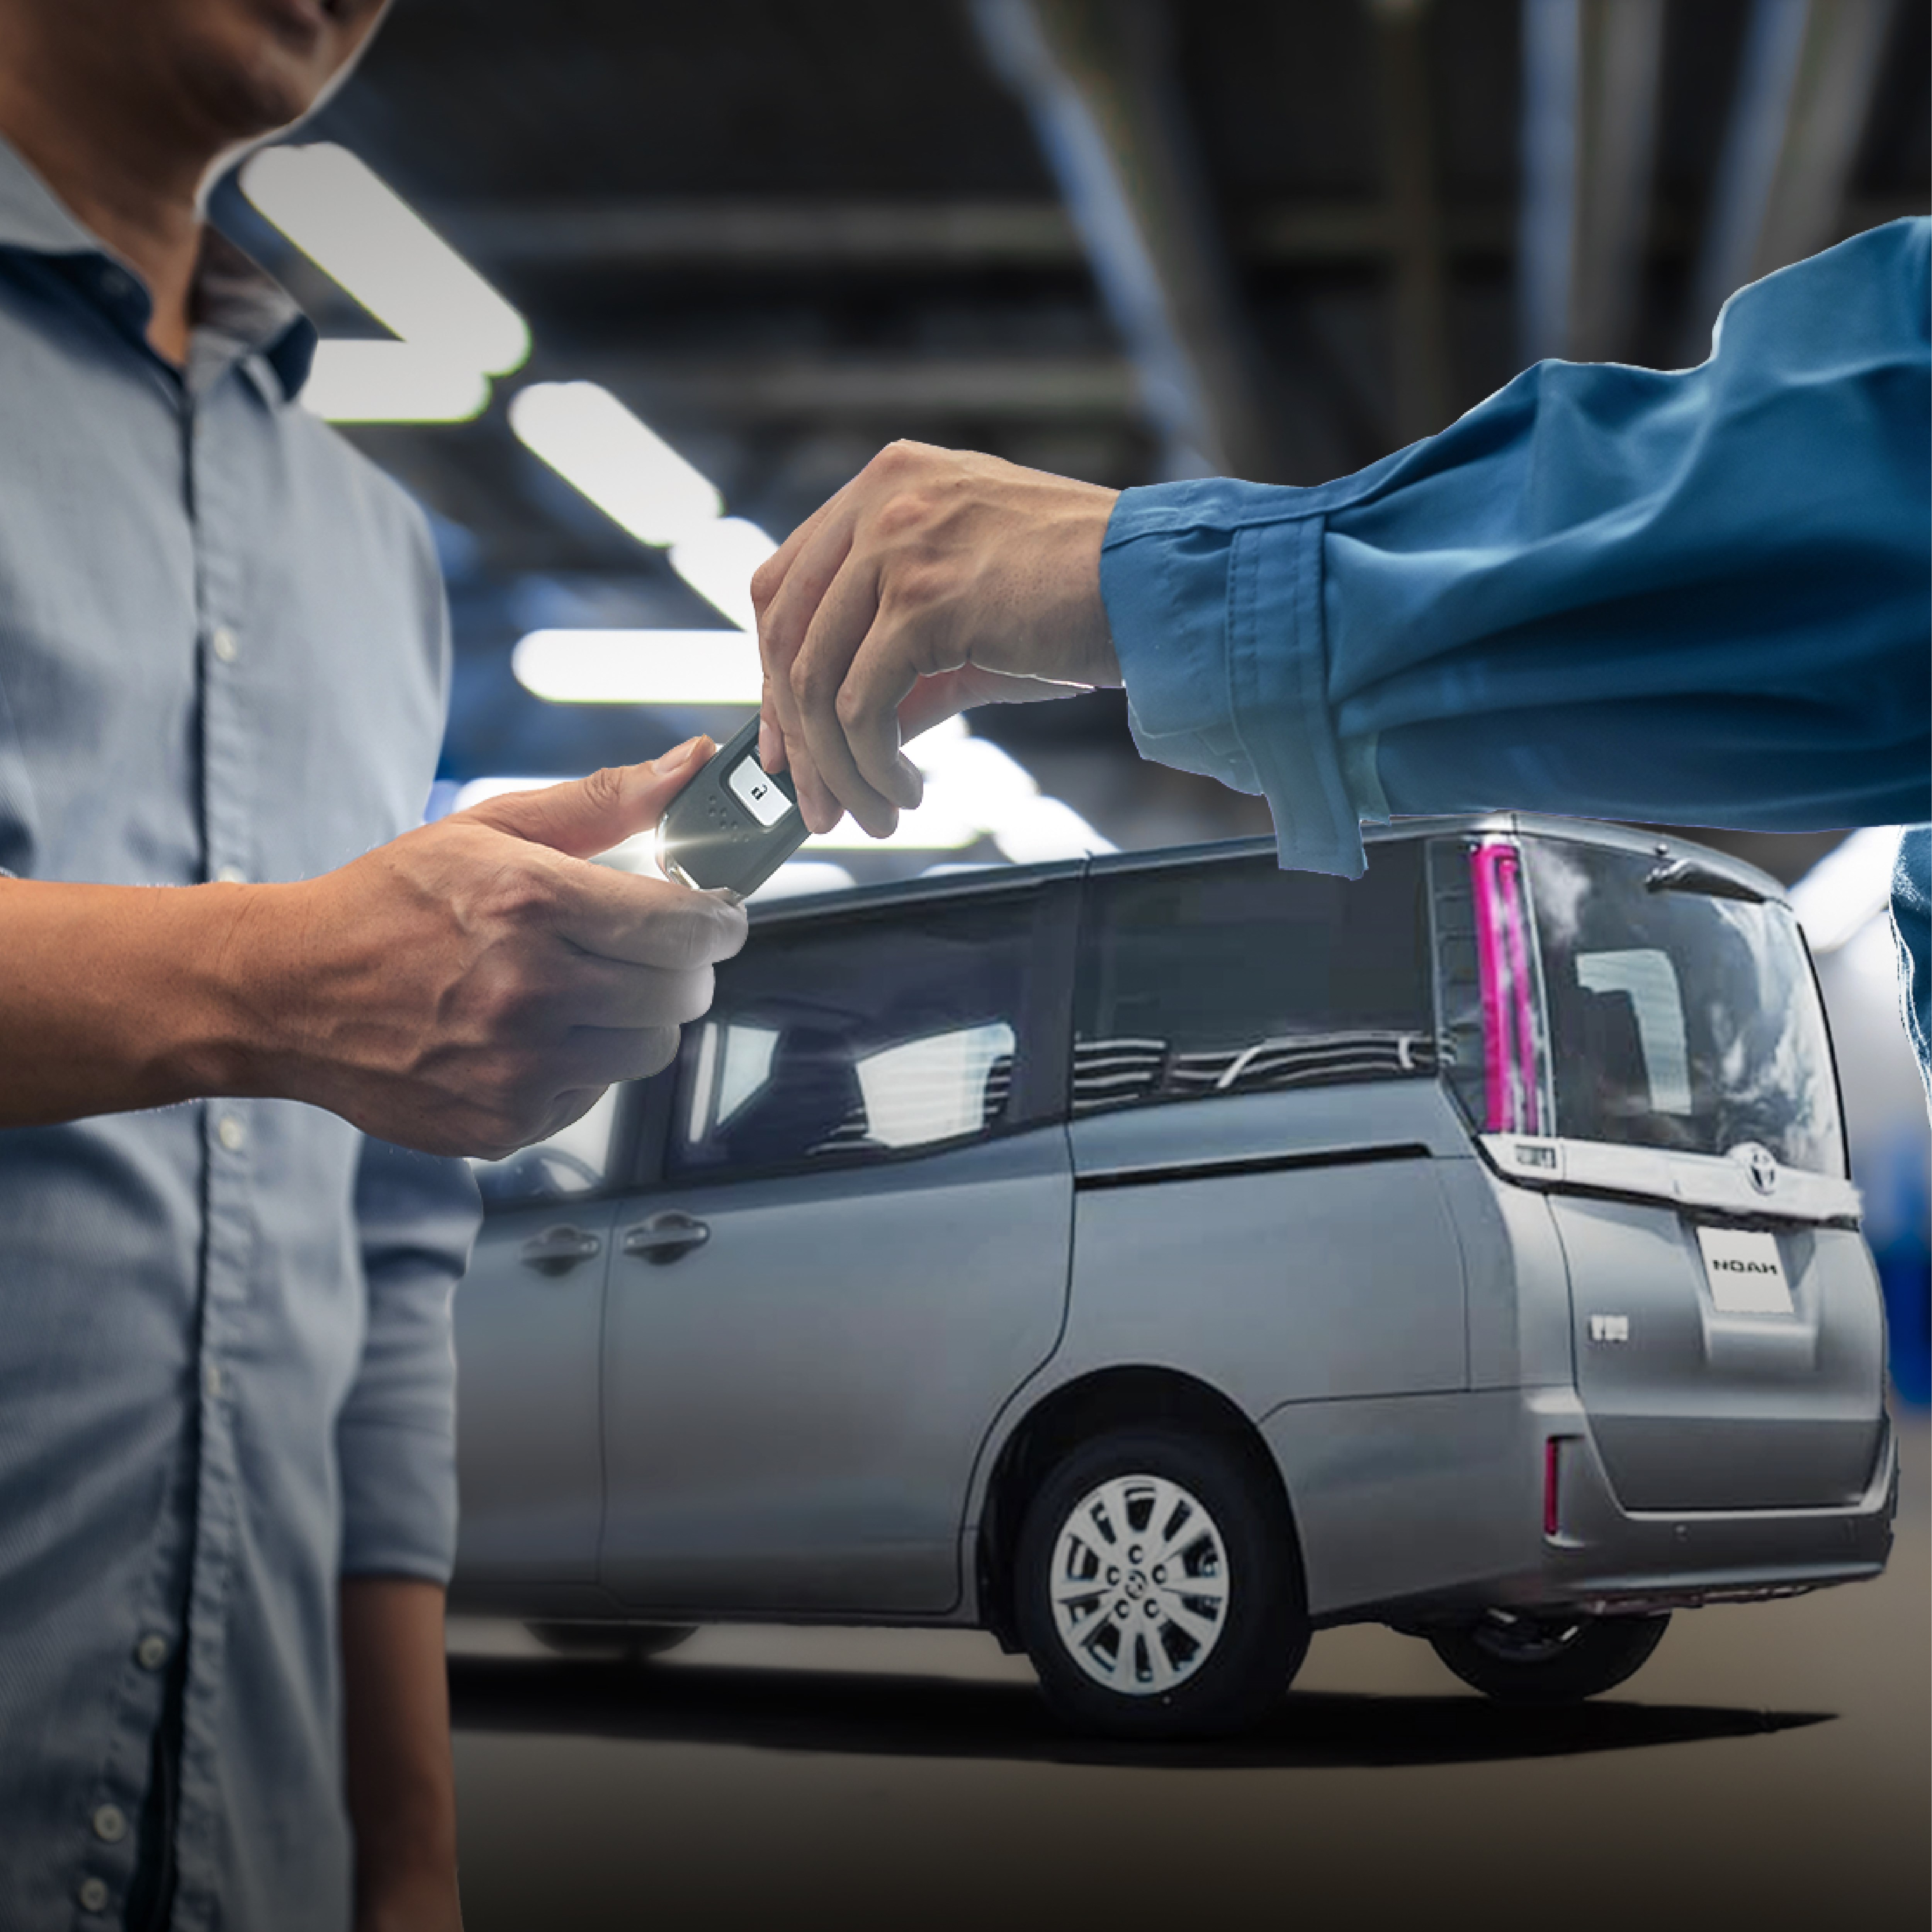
1729	1337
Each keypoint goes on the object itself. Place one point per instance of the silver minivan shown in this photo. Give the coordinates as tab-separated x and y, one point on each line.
1154	1259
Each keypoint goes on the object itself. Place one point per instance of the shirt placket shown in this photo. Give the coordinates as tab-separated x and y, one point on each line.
216	516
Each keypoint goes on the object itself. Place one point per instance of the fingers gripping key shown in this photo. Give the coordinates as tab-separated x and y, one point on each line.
734	824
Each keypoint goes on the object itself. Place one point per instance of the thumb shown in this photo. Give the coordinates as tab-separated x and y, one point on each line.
591	814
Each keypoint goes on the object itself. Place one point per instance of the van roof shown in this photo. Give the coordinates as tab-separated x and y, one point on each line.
975	881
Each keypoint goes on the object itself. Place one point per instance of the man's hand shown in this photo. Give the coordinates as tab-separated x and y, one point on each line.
466	988
475	985
936	579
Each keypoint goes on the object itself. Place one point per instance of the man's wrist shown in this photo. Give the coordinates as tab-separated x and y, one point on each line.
233	1021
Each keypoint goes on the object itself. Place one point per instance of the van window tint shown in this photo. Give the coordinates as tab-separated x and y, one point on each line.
1678	1019
1235	977
575	1161
856	1041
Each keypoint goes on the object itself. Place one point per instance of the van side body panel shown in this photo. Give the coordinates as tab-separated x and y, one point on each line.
1277	1246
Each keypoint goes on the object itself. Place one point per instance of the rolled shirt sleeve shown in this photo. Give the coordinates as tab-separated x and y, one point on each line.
417	1217
1698	596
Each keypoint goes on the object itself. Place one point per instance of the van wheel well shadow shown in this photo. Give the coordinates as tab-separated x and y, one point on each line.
1110	1398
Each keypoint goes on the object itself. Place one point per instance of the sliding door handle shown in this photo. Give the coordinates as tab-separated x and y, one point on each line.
666	1237
558	1250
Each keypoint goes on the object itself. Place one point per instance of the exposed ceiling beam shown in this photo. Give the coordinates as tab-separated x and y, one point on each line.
1838	73
1421	392
878	390
718	232
1591	71
1622	68
1803	92
1097	80
673	233
666	232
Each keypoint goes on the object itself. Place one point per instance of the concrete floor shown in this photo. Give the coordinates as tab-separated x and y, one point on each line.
1771	1767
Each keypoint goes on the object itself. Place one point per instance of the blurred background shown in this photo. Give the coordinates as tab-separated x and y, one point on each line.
621	293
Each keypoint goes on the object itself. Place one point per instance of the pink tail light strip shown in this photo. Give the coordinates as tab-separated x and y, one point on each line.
1511	1088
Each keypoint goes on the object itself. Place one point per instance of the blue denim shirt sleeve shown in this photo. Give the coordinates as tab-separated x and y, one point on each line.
1698	596
1912	928
416	1216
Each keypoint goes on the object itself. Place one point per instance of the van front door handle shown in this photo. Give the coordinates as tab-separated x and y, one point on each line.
666	1237
558	1250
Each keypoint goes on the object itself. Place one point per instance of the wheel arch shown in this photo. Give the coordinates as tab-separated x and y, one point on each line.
1112	1397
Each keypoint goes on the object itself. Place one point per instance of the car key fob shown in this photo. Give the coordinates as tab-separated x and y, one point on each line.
734	826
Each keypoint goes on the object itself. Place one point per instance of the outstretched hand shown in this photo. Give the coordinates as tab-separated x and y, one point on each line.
935	580
475	985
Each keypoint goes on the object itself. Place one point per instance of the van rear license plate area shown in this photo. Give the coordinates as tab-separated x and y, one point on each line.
1745	1271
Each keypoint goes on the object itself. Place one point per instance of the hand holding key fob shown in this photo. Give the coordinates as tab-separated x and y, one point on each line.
734	826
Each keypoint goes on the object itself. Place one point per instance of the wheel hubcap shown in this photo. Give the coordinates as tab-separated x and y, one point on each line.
1140	1584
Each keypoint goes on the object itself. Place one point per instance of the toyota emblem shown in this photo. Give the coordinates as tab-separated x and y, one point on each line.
1763	1169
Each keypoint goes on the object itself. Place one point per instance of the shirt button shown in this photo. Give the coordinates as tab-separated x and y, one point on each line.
231	875
230	1132
151	1652
110	1826
226	646
93	1895
211	1378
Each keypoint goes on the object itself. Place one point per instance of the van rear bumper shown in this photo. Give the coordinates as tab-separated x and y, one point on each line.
1608	1560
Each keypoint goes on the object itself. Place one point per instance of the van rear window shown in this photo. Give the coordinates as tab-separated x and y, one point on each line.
1235	977
1679	1018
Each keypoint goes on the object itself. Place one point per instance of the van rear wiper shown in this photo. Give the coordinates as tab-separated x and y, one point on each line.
1686	875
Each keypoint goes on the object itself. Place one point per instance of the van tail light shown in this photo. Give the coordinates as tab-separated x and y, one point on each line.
1512	1062
1552	1473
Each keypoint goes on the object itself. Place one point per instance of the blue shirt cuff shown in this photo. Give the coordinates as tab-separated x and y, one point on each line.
1214	594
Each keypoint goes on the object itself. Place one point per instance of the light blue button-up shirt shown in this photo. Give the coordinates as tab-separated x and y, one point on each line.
226	1371
1698	597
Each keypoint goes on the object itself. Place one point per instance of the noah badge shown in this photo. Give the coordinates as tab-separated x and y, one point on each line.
1745	1271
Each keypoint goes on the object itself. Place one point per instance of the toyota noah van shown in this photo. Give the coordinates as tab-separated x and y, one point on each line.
1154	1259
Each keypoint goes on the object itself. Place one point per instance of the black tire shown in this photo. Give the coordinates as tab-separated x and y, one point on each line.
1549	1659
1259	1632
616	1643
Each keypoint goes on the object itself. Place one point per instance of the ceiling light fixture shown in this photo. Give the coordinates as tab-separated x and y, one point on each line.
639	667
644	486
392	382
353	225
625	468
1847	889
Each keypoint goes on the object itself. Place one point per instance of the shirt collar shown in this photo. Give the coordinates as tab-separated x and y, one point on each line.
247	313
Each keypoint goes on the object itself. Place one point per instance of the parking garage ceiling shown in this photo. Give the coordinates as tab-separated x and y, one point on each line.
1113	238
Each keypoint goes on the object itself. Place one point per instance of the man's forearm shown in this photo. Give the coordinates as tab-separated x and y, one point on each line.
401	1783
466	989
114	996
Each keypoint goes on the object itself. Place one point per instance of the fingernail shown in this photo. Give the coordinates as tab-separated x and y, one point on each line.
677	758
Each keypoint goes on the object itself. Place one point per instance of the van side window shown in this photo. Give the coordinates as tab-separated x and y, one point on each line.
856	1041
574	1162
1235	977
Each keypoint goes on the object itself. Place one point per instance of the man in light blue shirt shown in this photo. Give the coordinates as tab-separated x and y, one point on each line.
1699	597
227	1496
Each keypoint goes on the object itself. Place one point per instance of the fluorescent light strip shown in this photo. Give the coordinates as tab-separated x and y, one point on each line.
363	233
1848	888
718	560
627	470
392	382
645	487
639	667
